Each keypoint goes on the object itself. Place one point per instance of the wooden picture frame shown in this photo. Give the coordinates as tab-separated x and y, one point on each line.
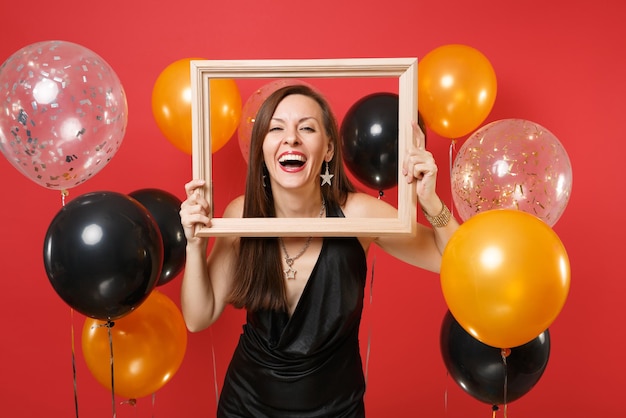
405	69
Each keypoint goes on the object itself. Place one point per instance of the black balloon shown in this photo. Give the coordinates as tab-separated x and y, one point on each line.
369	133
165	209
480	370
103	254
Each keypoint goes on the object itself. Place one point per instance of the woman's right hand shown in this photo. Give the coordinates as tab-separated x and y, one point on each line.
194	210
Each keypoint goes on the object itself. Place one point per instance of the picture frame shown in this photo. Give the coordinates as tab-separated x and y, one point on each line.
405	69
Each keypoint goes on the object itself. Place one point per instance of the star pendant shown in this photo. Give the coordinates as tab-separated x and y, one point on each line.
290	273
326	177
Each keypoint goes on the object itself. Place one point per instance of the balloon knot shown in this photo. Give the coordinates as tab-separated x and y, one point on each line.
108	324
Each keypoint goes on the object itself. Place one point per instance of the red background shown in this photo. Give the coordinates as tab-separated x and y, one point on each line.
560	64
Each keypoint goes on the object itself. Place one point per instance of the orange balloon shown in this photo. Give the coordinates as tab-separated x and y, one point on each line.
171	106
149	345
505	276
456	89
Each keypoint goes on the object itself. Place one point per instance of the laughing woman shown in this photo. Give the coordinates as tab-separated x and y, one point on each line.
298	355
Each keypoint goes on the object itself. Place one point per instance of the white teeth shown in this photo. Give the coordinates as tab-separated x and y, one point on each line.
291	157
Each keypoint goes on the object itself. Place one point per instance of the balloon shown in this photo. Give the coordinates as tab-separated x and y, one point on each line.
505	276
480	370
63	113
171	106
164	208
456	89
103	254
148	345
369	134
512	164
251	107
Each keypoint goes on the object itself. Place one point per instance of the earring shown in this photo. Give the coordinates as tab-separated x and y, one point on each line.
327	176
264	174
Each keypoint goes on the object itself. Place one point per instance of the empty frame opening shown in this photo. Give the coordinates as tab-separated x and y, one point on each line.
316	72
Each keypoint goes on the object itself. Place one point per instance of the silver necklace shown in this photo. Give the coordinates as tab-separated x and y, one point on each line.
290	272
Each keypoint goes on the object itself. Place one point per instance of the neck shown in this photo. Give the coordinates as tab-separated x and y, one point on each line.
298	205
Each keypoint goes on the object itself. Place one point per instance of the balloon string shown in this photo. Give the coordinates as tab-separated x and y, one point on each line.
64	194
109	325
450	164
74	362
153	403
505	352
369	331
217	396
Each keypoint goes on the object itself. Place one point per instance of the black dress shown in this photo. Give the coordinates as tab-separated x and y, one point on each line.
308	365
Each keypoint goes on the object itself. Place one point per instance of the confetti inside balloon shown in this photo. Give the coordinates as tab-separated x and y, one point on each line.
63	113
512	164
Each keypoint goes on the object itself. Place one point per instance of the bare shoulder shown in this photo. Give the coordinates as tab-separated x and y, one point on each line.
234	208
362	205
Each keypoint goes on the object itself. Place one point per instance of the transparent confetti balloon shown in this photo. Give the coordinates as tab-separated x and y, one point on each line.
512	164
63	113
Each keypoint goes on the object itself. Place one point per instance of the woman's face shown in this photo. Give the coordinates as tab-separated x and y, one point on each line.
296	144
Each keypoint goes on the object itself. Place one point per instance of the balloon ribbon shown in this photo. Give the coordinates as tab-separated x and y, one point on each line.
73	360
505	353
450	163
64	193
110	325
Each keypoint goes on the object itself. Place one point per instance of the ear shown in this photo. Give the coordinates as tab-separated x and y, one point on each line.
330	152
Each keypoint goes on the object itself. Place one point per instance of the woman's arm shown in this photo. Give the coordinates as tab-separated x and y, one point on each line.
425	248
206	280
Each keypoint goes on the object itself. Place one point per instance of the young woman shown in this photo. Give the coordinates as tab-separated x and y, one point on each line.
298	355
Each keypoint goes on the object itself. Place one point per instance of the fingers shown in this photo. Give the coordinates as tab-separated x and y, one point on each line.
420	144
418	164
193	212
195	209
193	185
418	136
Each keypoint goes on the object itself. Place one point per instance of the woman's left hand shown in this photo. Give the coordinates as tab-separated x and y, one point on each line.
419	167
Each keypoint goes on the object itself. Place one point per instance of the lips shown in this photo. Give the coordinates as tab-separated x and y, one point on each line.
292	161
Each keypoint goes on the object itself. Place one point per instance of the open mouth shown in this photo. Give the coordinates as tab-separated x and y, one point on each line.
292	161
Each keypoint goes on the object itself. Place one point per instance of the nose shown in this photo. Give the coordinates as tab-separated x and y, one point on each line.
291	136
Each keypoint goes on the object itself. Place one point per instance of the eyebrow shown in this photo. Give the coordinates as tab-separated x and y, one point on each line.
299	120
